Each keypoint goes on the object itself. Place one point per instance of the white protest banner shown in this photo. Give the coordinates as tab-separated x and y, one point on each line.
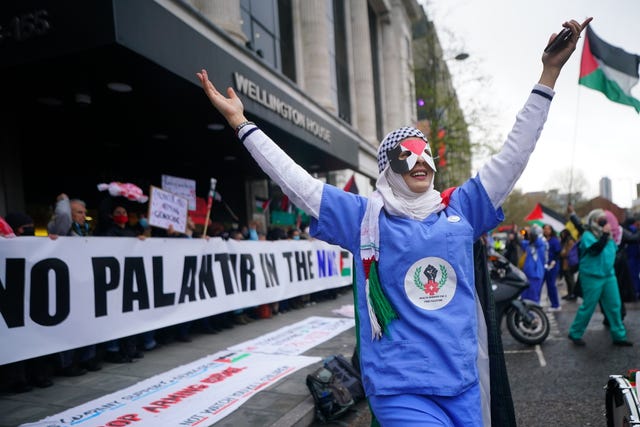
71	292
167	209
198	394
182	187
297	338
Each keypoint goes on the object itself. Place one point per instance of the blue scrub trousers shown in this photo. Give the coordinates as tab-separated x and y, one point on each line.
416	410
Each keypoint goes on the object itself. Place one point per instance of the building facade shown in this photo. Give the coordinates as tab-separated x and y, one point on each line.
106	91
440	116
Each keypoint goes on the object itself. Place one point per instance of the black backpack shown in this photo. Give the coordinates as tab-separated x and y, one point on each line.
347	373
330	386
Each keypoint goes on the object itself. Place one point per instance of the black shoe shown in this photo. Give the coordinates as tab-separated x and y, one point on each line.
115	357
227	324
137	355
151	347
570	297
21	387
42	382
623	343
91	365
73	371
577	341
187	338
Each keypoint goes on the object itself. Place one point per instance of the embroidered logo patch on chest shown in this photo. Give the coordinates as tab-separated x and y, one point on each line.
430	283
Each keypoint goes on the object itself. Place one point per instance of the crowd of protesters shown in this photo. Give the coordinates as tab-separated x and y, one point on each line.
118	217
605	280
70	218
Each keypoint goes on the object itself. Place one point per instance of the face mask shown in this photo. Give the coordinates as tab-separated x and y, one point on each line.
414	149
253	234
602	222
296	237
143	223
120	219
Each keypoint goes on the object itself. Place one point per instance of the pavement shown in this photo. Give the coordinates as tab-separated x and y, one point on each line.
286	403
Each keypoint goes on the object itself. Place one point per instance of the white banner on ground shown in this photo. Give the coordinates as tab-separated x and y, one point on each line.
61	294
297	338
200	393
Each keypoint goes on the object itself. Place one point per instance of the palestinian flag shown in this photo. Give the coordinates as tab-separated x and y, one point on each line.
262	205
542	215
609	70
351	186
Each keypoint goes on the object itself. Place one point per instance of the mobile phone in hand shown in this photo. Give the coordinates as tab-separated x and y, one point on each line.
559	41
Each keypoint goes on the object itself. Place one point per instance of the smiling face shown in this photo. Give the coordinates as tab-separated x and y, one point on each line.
412	159
419	178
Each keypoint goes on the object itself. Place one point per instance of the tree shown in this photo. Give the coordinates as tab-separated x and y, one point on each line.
570	182
439	114
458	135
516	207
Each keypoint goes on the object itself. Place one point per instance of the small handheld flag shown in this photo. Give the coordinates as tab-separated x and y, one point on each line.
212	192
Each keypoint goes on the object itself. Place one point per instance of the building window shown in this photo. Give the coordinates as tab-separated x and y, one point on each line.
260	25
331	45
375	59
341	61
287	51
337	44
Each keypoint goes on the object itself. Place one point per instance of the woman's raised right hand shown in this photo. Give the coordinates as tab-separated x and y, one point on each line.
229	106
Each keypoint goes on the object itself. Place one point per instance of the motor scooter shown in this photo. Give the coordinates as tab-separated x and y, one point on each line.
526	320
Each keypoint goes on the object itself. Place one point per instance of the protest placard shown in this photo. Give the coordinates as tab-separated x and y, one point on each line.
166	208
182	187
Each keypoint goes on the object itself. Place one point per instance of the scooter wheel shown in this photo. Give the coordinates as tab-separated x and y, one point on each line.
531	331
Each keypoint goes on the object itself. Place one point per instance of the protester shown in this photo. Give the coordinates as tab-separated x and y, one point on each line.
125	349
632	249
5	229
621	237
429	313
70	219
535	259
512	249
21	376
567	271
552	268
598	280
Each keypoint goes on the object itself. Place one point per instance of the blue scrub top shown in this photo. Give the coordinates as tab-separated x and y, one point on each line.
427	273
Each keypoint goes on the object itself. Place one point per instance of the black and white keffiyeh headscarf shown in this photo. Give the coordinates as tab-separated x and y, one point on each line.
592	222
393	194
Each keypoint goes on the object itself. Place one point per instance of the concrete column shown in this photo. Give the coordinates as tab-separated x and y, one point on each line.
315	39
391	74
365	112
396	71
225	14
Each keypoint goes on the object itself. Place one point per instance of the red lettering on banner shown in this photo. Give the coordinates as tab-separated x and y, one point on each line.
122	420
220	376
174	398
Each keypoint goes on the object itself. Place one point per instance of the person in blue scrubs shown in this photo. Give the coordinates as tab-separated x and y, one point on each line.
422	338
535	261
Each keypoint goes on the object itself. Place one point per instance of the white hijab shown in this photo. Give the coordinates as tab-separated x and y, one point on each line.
393	194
